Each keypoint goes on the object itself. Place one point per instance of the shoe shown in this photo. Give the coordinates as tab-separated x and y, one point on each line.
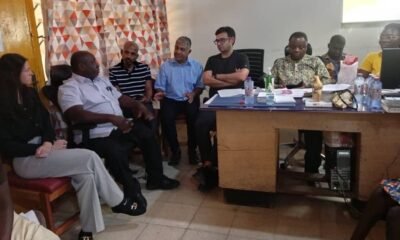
129	207
85	235
141	199
175	159
165	184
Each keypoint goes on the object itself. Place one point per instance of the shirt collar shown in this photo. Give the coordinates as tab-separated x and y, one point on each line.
83	79
188	62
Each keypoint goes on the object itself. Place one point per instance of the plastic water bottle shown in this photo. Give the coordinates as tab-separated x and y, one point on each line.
269	87
366	92
358	90
248	91
376	94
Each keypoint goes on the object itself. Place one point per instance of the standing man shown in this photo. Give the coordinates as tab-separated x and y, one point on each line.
179	85
228	69
88	98
332	58
298	70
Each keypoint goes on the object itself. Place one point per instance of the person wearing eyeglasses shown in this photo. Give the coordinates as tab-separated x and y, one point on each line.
228	69
389	38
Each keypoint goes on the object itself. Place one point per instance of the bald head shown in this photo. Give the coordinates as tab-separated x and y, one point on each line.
84	64
129	55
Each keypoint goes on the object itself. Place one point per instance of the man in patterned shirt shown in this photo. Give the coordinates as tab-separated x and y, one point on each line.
297	70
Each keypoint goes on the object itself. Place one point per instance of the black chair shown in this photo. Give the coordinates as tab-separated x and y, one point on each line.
256	61
59	73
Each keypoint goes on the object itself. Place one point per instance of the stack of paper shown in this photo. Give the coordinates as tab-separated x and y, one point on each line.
230	92
284	99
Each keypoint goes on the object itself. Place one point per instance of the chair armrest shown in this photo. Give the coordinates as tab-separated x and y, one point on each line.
84	128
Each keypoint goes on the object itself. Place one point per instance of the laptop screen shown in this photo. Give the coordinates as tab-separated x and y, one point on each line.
390	70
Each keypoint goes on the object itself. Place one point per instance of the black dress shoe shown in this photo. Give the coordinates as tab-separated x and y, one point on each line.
85	235
141	199
165	184
129	207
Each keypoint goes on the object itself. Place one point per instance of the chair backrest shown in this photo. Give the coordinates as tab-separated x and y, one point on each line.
58	73
256	61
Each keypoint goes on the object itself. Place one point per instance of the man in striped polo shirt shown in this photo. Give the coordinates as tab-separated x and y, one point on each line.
131	77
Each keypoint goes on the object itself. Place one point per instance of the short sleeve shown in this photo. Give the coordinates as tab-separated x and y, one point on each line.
69	96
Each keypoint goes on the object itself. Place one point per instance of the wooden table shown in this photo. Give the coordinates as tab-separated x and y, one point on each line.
248	140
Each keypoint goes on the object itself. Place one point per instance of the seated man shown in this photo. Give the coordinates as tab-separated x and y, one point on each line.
332	58
133	78
389	38
88	98
298	70
179	84
13	226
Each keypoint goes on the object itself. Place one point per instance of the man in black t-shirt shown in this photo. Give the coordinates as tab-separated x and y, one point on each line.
228	69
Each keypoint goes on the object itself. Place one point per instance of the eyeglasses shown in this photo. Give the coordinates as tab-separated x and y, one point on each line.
220	40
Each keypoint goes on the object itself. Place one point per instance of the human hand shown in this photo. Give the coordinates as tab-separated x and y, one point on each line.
60	144
44	150
139	110
159	96
190	96
122	123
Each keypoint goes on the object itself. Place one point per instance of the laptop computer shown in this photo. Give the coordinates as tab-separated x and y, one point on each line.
390	70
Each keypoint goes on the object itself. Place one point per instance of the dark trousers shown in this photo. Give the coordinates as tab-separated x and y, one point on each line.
116	150
312	157
206	122
149	105
169	111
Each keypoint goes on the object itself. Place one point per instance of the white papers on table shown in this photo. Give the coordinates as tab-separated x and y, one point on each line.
284	99
210	100
335	87
388	91
295	92
309	102
230	92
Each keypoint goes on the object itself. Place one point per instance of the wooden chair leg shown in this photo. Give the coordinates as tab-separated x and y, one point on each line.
47	212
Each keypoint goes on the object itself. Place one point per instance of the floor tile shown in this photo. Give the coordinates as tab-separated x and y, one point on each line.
213	220
251	225
157	232
122	232
202	235
170	214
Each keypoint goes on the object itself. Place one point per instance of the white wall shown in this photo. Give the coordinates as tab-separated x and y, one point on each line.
267	24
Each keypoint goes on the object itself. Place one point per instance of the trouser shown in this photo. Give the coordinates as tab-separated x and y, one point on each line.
206	122
312	157
169	111
88	175
149	105
23	229
116	150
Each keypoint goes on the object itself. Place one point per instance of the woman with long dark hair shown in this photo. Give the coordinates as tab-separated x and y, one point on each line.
27	137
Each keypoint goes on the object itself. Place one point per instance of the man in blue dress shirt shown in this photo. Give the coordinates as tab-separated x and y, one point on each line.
178	86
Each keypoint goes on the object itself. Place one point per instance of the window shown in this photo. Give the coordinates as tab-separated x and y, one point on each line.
355	11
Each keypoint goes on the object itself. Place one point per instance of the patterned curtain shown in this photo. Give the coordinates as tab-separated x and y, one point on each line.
103	26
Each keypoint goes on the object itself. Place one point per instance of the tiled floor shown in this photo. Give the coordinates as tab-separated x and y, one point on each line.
187	214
